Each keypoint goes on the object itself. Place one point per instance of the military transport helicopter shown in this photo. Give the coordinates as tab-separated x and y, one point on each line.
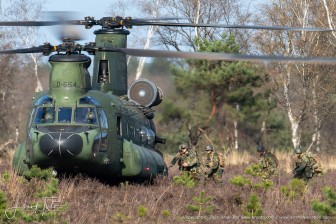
101	126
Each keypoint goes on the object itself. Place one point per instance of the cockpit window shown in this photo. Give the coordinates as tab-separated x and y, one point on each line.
64	114
86	115
88	100
44	100
45	115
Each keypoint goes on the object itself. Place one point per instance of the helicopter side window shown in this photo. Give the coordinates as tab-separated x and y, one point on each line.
104	130
88	100
102	119
31	116
45	115
119	126
136	134
124	129
85	115
64	114
131	132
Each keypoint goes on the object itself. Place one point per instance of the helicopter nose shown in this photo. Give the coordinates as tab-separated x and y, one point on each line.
61	145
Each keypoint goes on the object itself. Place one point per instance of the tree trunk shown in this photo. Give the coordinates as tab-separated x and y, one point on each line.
294	121
149	37
39	87
316	136
236	140
198	14
213	106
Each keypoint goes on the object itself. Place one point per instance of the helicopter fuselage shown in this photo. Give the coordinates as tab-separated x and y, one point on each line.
72	127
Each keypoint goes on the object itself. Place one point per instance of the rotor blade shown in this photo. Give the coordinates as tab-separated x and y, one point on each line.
158	18
38	49
218	56
42	23
146	23
90	21
30	23
66	31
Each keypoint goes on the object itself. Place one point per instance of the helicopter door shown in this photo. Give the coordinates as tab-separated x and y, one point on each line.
103	128
119	127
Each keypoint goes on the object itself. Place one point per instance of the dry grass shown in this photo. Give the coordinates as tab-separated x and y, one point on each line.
91	201
286	160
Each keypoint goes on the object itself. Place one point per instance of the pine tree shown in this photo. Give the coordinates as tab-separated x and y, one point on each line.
227	85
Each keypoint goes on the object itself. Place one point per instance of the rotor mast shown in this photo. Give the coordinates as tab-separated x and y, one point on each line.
110	68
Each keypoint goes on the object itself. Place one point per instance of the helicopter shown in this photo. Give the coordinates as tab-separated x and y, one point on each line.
99	125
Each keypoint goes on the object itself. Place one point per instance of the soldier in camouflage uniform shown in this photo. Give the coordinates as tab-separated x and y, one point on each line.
214	170
306	165
179	157
268	163
187	160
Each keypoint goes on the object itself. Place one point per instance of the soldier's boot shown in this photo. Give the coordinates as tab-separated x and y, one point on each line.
220	182
218	179
220	172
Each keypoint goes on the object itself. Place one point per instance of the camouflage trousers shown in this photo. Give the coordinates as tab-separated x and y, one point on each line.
306	174
216	175
267	173
302	177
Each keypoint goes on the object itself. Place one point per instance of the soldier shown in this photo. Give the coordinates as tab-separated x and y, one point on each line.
215	170
268	163
191	164
186	159
306	165
179	156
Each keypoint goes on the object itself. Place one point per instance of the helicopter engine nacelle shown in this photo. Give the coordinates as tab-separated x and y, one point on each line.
145	93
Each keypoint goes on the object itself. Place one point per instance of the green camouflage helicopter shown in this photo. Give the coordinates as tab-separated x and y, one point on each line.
100	126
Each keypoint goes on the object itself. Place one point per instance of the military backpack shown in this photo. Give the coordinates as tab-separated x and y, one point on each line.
221	158
314	162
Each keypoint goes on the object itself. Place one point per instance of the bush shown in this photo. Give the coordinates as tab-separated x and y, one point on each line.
328	206
254	170
240	181
253	207
119	217
203	204
295	189
185	179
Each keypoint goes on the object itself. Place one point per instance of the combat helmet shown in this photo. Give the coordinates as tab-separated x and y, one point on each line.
260	148
208	148
183	146
298	150
48	116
